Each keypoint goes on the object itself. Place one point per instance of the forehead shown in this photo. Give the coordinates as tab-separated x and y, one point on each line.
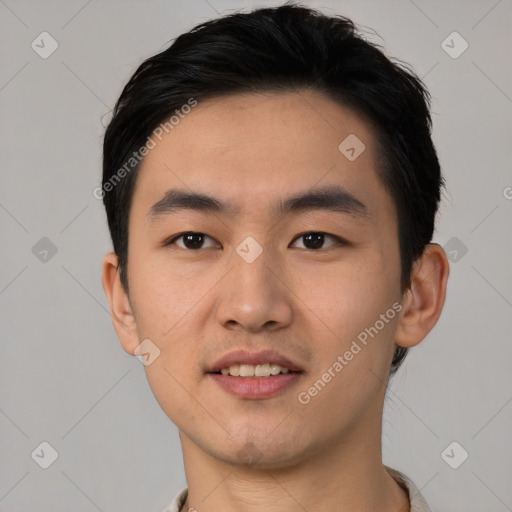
254	149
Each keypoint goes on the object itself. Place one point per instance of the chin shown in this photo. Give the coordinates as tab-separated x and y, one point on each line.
254	451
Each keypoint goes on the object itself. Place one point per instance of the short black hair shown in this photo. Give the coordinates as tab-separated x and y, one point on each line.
289	48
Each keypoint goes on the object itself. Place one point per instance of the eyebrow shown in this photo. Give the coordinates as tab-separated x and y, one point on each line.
331	198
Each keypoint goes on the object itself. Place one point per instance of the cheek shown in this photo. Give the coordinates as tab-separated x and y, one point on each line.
350	297
350	308
353	349
166	384
170	310
162	294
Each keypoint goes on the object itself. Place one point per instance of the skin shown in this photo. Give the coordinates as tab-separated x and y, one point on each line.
309	304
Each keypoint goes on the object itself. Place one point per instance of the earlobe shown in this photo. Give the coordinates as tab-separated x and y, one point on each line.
121	311
424	300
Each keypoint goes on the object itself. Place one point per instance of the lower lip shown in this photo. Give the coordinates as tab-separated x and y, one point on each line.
255	388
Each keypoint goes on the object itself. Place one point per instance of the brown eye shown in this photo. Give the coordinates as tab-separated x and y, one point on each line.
191	240
314	240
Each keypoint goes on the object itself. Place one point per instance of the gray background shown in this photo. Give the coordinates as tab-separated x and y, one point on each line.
64	378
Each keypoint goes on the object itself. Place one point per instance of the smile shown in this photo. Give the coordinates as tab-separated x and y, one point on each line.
250	370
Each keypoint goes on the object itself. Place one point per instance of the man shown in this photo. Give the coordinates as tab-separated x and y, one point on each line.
271	187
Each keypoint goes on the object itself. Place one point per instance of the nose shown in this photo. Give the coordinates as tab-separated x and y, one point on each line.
255	297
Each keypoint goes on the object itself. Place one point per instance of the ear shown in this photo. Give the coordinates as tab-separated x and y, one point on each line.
424	300
121	312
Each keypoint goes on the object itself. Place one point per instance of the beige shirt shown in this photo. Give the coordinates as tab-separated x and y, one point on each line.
418	503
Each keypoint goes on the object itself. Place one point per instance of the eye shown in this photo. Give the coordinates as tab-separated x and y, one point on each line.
191	240
315	239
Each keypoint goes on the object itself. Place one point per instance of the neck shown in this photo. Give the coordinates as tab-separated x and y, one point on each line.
343	476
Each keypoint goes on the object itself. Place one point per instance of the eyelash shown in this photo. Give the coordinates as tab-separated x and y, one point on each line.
338	240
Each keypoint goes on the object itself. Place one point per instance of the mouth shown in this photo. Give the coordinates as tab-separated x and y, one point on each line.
264	370
255	375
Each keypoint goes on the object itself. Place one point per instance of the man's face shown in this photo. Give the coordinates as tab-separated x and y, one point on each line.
307	298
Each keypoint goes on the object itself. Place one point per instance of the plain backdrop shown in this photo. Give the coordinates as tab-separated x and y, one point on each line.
64	379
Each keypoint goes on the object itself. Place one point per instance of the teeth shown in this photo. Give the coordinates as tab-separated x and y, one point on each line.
250	370
246	370
262	370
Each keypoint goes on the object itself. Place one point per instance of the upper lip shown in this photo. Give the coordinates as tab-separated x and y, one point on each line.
242	356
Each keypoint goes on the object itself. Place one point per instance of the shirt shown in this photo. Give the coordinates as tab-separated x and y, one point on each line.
418	503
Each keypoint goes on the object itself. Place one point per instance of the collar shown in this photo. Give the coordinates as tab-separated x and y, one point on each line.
418	503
